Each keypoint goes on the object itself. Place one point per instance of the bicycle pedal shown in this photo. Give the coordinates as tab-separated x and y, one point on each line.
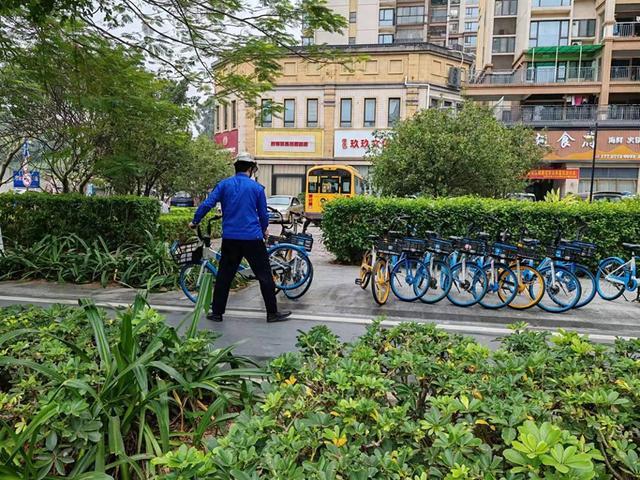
358	281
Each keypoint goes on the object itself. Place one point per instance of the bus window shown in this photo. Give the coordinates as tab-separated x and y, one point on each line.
359	186
346	185
313	184
330	184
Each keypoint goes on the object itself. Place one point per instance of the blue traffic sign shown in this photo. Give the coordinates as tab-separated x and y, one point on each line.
22	179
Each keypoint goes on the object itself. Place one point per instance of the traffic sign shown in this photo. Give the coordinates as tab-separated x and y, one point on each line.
23	179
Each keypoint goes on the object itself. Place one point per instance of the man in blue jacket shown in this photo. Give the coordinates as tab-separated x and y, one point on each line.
244	226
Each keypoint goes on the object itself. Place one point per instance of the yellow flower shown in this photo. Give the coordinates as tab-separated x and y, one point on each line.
287	414
622	384
291	380
477	394
339	442
309	392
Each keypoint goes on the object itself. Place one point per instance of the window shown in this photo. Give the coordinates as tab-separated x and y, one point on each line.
584	28
385	39
393	114
352	40
345	112
369	112
471	12
504	45
549	33
434	103
352	17
385	17
506	8
312	112
289	112
410	15
470	26
217	118
439	16
226	117
306	41
551	3
267	115
234	114
408	35
470	40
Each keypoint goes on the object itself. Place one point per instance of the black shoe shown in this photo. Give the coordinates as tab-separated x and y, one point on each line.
215	317
278	317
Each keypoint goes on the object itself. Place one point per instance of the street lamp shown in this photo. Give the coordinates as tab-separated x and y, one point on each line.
592	137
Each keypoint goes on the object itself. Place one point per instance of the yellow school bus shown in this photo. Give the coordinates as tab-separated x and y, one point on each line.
327	182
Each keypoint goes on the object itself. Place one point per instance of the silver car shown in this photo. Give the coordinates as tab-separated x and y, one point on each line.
285	204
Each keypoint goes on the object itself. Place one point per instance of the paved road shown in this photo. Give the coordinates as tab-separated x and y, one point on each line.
335	300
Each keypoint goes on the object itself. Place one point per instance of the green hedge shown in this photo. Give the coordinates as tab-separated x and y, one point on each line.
25	219
348	222
175	225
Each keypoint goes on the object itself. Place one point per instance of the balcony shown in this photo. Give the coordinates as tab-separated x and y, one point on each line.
545	115
540	76
438	17
626	29
625	74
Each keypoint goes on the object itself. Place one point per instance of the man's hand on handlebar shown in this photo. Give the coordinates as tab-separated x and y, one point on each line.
193	226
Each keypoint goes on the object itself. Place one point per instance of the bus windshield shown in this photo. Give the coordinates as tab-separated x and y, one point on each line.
329	181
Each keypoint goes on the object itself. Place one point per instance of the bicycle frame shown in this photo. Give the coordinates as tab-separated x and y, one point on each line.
629	279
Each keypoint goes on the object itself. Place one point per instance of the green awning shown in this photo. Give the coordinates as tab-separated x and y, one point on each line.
567	52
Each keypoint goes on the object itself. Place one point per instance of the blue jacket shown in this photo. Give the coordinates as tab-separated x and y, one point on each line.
244	208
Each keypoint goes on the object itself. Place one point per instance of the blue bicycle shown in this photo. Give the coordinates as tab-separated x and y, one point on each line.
290	264
468	279
615	275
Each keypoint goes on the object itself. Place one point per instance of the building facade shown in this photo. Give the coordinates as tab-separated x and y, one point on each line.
568	68
451	23
329	111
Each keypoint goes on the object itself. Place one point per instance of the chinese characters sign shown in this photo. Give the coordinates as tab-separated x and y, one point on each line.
554	174
228	140
355	143
566	145
294	143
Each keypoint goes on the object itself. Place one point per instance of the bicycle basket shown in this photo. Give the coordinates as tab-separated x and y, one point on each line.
565	253
301	240
389	246
440	245
275	239
414	246
585	249
470	246
186	253
504	251
529	253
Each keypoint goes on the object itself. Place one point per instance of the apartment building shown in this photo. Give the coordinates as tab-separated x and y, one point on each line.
451	23
329	112
562	66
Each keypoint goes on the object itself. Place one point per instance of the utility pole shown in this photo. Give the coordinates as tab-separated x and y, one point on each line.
593	161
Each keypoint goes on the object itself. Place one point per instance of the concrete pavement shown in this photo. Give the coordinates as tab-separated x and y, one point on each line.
335	300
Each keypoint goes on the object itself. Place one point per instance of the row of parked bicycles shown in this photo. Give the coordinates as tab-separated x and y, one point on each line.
288	252
519	273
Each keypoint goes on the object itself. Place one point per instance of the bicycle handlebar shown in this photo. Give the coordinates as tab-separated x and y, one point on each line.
206	239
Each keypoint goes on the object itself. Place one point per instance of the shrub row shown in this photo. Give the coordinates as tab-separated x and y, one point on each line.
348	222
25	219
174	225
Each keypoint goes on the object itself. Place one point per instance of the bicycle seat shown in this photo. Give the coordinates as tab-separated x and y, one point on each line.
373	237
631	246
395	233
483	235
431	233
530	242
455	238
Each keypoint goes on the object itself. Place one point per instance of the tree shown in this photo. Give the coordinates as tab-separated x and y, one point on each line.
208	163
447	153
185	37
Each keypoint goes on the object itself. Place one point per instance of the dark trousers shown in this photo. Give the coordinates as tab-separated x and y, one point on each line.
232	253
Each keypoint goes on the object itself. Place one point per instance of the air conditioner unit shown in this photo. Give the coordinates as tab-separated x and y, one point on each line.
454	77
576	42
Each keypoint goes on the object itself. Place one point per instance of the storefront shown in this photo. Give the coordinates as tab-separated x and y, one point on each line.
617	159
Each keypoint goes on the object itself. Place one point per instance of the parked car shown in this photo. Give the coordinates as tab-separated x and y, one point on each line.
524	197
285	204
182	199
602	196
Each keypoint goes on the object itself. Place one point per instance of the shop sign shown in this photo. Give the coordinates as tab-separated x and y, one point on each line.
286	142
567	145
554	174
228	140
357	143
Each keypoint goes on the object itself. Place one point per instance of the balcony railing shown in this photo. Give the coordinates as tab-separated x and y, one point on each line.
625	73
545	114
410	20
539	76
626	29
439	17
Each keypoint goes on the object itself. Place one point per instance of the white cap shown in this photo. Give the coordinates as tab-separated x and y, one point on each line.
244	157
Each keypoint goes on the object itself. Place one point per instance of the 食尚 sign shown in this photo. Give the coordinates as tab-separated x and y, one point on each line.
578	145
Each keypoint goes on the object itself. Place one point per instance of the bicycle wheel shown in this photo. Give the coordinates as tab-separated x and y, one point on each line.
409	279
365	271
295	293
380	285
530	287
468	284
189	280
588	284
502	286
562	289
290	265
610	278
439	282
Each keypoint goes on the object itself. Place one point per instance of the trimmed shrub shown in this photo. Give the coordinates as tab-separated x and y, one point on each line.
348	222
25	219
174	225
